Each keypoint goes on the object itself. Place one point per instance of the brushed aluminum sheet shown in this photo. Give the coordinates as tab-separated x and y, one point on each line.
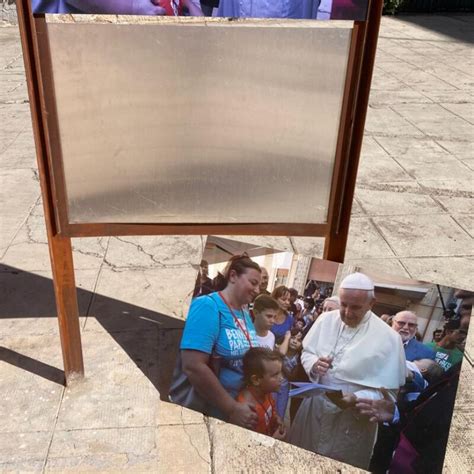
198	123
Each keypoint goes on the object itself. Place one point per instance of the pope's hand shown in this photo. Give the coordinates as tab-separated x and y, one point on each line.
347	400
378	411
322	365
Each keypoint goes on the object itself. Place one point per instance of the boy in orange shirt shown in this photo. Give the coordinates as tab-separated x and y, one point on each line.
262	369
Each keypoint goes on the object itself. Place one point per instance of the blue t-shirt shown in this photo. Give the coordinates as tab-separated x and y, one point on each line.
211	328
280	329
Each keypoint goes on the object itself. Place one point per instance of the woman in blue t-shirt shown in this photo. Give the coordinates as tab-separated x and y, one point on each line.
219	328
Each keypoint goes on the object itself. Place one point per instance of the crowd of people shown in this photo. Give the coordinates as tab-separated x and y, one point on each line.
294	9
242	346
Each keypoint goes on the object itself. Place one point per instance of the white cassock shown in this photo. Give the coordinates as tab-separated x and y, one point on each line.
366	358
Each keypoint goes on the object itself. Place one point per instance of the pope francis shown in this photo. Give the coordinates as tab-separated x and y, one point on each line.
352	350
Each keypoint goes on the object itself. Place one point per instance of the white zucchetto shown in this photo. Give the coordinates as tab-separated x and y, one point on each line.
357	281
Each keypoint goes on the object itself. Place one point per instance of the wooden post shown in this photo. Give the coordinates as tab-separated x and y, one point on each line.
351	133
60	249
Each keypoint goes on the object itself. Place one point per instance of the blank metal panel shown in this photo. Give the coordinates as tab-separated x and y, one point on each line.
198	123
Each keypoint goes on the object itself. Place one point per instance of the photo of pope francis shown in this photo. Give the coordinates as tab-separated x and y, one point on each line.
353	350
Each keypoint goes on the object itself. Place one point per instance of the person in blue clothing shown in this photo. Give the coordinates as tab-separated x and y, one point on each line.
217	334
299	9
118	7
406	324
282	331
284	320
123	7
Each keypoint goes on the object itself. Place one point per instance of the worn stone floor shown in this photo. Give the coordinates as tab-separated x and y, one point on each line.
412	216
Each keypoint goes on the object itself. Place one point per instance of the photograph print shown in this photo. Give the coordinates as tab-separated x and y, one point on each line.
354	365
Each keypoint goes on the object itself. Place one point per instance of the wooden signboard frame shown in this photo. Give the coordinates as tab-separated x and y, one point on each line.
39	73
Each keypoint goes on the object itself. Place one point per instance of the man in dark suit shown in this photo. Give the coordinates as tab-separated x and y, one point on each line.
406	324
423	423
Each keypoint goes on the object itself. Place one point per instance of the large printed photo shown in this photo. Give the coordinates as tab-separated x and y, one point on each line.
358	366
291	9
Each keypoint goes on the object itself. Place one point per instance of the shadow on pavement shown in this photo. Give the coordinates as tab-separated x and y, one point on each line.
459	27
149	338
32	365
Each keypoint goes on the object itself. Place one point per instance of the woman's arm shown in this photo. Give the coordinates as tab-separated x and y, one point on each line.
203	379
283	347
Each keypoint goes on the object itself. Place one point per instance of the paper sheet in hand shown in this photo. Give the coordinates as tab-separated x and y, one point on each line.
309	389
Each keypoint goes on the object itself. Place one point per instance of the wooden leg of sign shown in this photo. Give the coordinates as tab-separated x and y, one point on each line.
355	103
60	249
66	306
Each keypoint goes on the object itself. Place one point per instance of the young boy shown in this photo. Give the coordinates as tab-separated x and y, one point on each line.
265	309
292	356
262	375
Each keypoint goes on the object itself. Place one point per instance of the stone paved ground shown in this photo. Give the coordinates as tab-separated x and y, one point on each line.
412	216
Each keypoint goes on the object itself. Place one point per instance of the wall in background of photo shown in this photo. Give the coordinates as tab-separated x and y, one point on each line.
424	300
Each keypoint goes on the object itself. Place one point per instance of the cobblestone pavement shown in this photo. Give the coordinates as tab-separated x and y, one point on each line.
412	216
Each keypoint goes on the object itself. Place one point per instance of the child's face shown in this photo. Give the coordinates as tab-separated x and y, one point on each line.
266	318
296	343
299	325
272	376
